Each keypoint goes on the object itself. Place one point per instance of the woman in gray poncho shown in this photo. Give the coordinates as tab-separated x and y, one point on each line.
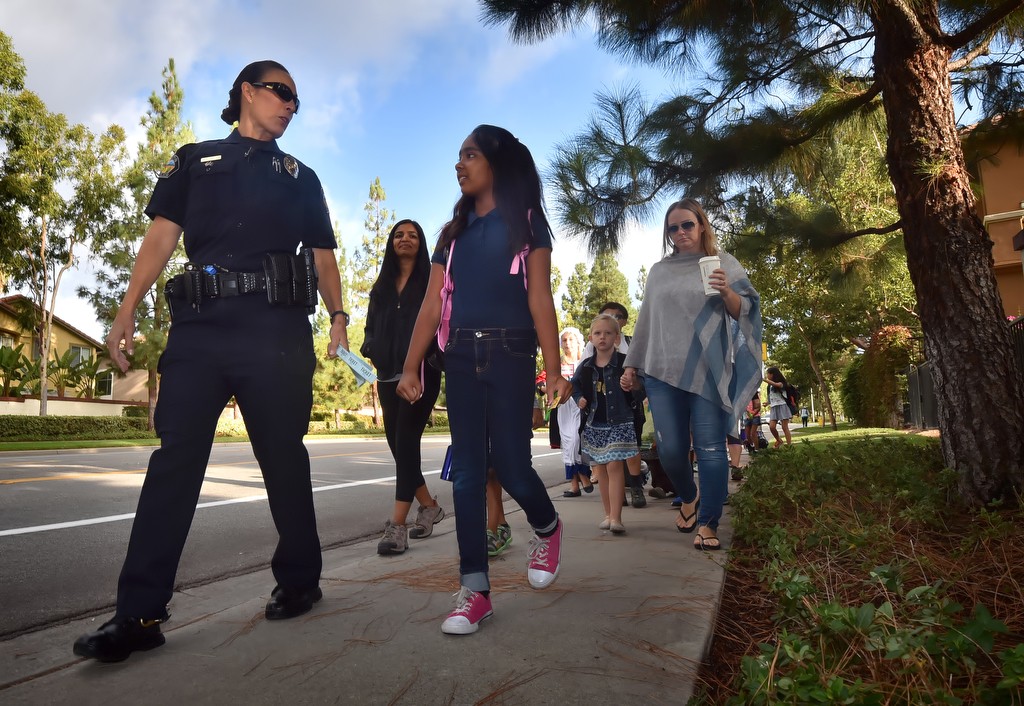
700	357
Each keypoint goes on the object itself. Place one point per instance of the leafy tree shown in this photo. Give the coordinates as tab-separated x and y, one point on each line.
116	248
58	188
334	384
63	372
784	73
13	368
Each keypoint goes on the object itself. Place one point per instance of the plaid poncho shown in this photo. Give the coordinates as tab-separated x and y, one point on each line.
688	340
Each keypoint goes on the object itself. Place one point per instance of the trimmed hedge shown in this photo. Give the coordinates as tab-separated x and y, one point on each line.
32	428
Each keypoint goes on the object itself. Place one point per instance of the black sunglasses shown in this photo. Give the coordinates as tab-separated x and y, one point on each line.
281	90
685	225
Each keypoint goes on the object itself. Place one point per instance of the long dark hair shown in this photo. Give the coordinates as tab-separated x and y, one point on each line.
389	266
777	376
517	189
250	74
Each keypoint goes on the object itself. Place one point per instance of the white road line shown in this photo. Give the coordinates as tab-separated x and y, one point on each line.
216	503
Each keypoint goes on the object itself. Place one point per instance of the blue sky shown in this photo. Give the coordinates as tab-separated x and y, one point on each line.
389	89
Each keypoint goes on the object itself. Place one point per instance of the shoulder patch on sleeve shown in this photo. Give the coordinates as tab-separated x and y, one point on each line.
169	167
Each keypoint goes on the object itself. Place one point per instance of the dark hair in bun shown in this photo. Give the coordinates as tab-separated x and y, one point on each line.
250	74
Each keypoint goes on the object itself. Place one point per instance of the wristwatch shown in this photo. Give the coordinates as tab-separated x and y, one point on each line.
348	319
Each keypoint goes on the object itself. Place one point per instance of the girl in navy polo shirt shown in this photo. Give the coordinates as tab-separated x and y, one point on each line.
497	251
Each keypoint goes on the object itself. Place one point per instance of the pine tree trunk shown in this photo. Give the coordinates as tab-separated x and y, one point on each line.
979	390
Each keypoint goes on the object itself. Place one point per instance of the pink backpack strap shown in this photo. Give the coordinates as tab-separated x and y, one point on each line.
519	261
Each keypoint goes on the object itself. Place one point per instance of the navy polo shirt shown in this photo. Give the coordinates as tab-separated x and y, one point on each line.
239	198
485	294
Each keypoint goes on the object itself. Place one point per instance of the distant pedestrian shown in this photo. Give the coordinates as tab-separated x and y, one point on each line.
394	302
494	261
570	422
753	422
699	356
778	405
804	416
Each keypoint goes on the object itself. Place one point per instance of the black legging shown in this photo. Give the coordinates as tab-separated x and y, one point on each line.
403	426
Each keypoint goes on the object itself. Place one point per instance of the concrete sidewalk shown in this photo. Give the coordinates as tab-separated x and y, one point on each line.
627	621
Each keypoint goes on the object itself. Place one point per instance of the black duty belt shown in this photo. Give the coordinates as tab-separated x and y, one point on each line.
219	284
287	279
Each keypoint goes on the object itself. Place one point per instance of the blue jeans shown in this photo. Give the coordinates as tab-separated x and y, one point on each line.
489	384
677	415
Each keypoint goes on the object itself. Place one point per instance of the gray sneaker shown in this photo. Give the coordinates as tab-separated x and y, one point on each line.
637	495
426	518
395	539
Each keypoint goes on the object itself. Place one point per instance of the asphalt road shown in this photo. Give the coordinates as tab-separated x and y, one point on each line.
65	518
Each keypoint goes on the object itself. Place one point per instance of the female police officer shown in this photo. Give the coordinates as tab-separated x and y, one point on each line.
240	328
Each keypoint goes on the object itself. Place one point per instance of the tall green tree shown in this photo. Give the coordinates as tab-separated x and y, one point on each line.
368	257
778	75
606	284
116	247
819	305
59	186
12	83
574	301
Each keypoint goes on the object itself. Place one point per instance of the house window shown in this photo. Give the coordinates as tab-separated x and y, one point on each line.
80	354
6	340
105	384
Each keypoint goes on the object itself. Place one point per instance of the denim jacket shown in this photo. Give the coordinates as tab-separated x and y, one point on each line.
621	405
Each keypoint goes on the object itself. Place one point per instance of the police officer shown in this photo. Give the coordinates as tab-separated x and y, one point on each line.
240	328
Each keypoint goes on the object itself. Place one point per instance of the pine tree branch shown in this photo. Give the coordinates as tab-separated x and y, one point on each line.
986	23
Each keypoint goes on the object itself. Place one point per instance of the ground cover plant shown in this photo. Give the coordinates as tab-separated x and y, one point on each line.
856	577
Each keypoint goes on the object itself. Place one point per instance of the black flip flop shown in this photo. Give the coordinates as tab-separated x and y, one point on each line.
687	518
707	544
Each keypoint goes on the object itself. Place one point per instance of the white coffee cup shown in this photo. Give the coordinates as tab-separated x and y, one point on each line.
708	265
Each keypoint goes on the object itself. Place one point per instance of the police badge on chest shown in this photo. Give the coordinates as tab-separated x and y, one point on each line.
291	166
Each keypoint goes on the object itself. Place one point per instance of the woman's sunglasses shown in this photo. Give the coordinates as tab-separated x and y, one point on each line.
673	228
281	90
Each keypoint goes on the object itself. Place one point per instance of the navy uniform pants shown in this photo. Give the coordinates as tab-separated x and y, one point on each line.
263	356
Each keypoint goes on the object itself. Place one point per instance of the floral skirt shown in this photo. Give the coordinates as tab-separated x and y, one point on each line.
605	443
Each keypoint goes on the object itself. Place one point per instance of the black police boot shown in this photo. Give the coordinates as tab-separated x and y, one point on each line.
118	638
288	603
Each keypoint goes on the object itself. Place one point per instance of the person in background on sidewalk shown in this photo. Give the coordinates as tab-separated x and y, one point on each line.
753	422
609	437
541	391
635	475
570	422
495	254
735	452
804	416
681	347
394	303
499	532
779	408
229	338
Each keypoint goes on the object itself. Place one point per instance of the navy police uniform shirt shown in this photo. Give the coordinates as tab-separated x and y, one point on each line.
239	198
486	294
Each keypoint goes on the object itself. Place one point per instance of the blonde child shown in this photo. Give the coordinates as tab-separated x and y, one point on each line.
609	438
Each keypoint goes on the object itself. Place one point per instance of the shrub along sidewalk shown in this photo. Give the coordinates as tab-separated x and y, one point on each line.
858	577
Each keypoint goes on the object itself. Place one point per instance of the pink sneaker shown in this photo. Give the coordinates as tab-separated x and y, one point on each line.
470	610
545	558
